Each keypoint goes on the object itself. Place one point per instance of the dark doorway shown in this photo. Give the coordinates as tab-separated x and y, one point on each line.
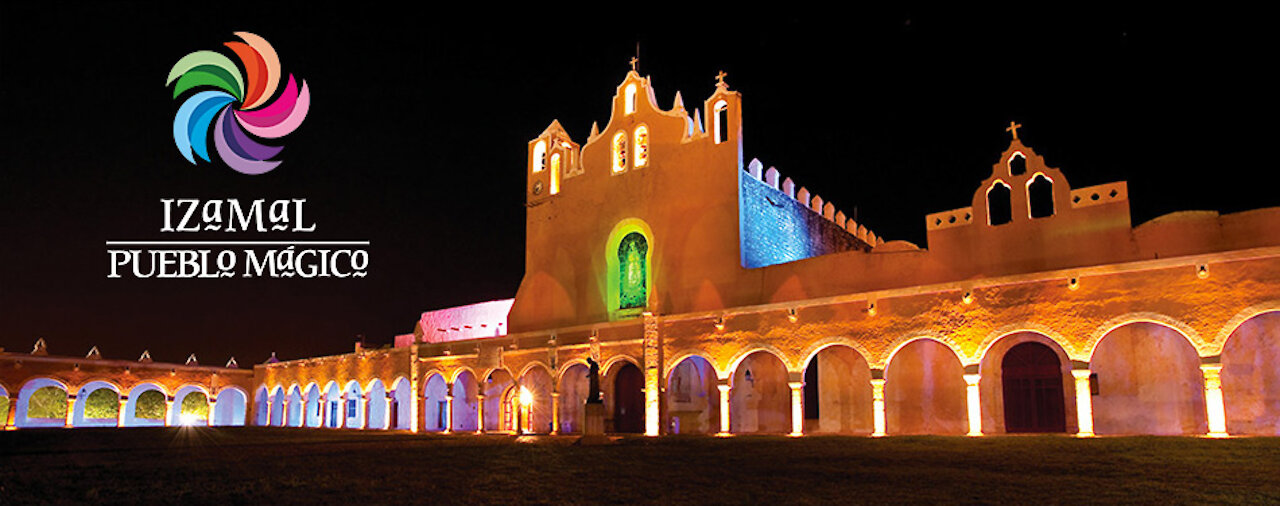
628	403
1033	400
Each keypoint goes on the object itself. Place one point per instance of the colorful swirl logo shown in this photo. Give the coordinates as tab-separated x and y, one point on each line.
237	107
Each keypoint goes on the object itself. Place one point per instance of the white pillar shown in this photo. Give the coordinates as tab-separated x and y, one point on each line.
877	405
724	408
124	405
448	416
71	410
208	416
1084	403
388	423
555	412
342	411
168	413
480	414
1213	402
975	404
797	408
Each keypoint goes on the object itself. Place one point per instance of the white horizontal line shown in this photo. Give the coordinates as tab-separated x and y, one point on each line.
237	243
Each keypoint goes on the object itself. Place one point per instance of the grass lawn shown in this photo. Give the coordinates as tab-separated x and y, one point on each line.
260	465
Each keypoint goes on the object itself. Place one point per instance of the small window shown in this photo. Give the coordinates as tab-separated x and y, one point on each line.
721	121
620	152
999	207
555	173
1040	196
630	104
1017	165
351	408
642	146
539	156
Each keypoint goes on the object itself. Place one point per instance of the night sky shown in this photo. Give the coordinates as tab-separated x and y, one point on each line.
416	140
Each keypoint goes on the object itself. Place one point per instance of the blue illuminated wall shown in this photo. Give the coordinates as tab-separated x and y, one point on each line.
777	229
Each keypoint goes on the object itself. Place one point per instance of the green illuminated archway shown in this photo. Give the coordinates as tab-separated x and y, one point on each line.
629	268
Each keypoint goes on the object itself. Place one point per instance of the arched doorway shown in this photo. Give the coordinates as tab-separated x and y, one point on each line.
465	402
1149	382
628	405
1032	386
837	393
573	397
693	399
1251	378
924	390
759	397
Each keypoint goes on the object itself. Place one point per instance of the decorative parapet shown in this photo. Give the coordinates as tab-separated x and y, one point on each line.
1100	194
949	219
773	178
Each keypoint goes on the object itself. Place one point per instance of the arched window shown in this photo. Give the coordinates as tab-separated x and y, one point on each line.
641	143
1017	164
999	207
633	290
539	156
555	173
620	152
630	104
1040	196
721	119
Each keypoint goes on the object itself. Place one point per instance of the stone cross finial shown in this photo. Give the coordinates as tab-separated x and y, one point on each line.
1013	128
720	79
634	62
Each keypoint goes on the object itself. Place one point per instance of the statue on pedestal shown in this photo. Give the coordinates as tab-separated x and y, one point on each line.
593	382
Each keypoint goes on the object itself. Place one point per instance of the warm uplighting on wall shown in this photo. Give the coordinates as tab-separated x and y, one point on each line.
1073	284
968	298
1202	271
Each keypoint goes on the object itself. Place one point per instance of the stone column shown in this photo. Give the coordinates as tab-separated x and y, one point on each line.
342	411
323	405
168	412
652	375
480	414
209	413
1213	403
797	408
724	408
555	412
975	404
1084	402
389	423
71	410
124	408
877	407
448	407
11	419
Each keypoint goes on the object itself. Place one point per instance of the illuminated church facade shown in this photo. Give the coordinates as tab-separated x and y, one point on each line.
722	298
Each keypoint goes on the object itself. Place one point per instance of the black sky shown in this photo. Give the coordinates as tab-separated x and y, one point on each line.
417	132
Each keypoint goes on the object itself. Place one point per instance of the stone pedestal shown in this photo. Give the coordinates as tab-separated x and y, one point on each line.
594	423
593	426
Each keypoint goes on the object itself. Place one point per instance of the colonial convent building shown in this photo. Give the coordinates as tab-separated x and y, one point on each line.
720	297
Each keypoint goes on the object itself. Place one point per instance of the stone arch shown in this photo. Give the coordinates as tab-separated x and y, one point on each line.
693	396
924	389
821	344
176	415
261	406
312	405
498	387
1047	332
435	391
276	398
375	406
465	401
1234	323
759	395
1184	330
908	337
1251	377
537	379
991	377
229	407
402	404
573	387
81	418
457	373
608	377
295	407
21	416
1148	381
753	348
837	390
331	396
353	405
